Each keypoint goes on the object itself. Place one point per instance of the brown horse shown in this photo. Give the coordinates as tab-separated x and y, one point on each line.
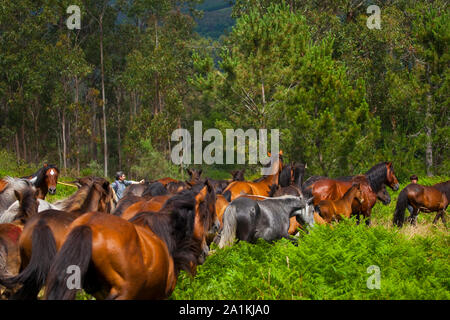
261	187
137	259
334	210
422	198
323	188
45	180
43	234
154	204
10	232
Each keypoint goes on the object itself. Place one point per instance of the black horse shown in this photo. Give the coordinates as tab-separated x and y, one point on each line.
248	218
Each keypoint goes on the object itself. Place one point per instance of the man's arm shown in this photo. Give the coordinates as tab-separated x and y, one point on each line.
128	182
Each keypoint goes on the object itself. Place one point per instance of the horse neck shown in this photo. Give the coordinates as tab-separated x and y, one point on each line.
76	201
349	196
92	202
273	179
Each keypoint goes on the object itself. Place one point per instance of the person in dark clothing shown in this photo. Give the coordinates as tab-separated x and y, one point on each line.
121	184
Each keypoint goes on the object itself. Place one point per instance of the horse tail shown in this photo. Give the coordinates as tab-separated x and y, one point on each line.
402	203
76	251
228	233
35	273
227	195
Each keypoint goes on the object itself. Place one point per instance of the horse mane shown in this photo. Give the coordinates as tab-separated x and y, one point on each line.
174	224
377	175
28	205
299	171
76	201
444	187
284	179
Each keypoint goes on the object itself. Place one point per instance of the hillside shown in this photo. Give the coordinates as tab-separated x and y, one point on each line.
216	19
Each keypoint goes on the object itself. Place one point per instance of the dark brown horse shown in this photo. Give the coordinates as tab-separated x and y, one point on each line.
261	188
322	188
422	198
43	234
45	180
137	259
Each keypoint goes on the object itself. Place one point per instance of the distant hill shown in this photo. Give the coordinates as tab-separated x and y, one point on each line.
216	19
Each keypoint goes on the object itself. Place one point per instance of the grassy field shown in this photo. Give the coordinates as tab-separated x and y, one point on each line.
328	263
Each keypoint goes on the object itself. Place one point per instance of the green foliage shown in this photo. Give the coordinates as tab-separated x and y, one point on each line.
152	164
9	166
93	168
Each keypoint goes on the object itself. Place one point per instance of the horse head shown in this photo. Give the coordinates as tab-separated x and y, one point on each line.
384	196
50	177
305	216
358	193
206	220
391	178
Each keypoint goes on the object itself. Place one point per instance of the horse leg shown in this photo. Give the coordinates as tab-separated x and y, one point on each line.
443	218
413	217
367	216
436	219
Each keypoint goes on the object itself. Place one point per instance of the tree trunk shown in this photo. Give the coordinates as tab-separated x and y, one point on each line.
24	144
77	129
429	141
64	142
17	146
428	124
105	141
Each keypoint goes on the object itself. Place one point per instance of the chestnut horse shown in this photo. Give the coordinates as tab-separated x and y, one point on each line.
137	259
261	188
322	188
45	180
422	198
334	210
43	234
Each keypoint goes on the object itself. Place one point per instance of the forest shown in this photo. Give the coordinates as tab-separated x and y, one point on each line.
107	96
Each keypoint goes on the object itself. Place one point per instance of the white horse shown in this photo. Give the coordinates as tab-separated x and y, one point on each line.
7	196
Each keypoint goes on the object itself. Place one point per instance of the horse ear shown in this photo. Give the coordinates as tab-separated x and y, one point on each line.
389	164
189	171
281	152
200	172
201	195
17	194
208	184
269	154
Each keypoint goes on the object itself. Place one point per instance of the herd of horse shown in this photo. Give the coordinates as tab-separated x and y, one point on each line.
135	248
